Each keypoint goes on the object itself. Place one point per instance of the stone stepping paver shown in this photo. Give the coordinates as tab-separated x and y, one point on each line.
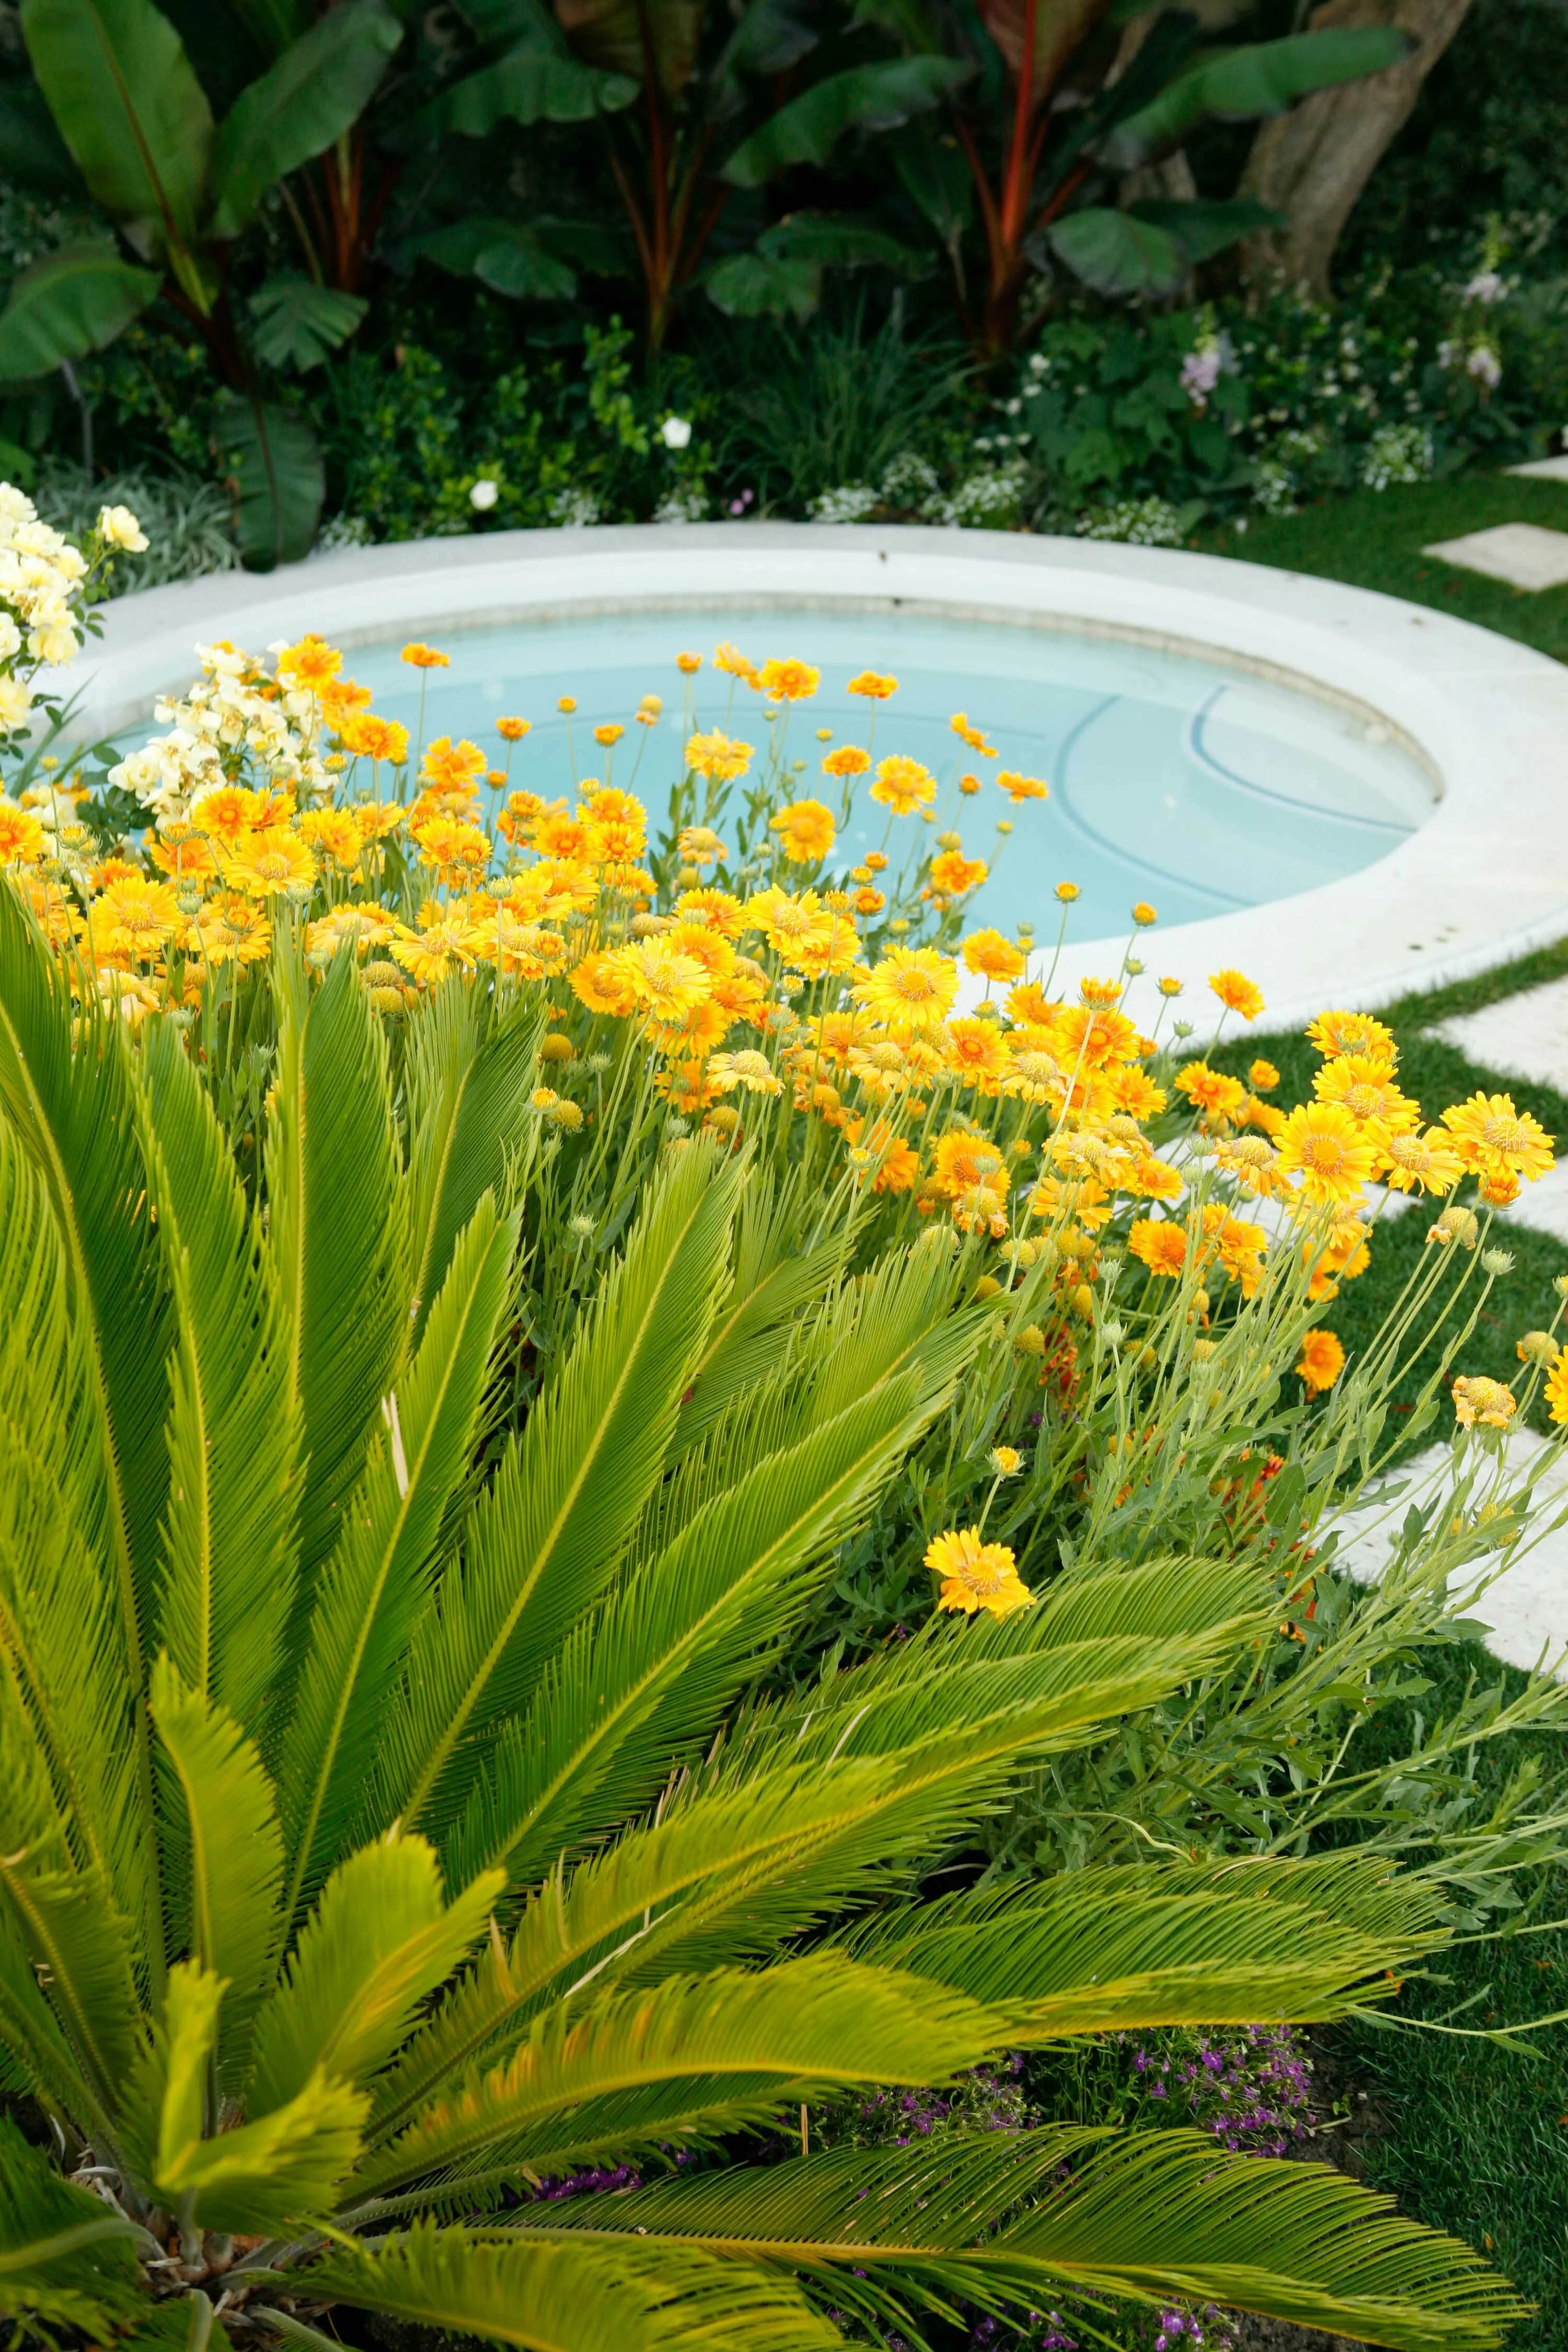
1542	469
1523	1037
1525	1612
1523	554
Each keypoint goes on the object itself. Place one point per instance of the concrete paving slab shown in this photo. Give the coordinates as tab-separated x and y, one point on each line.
1525	1610
1524	1036
1522	553
1542	469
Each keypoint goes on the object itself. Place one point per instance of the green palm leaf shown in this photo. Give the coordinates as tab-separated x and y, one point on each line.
574	2298
1096	1950
61	1637
1154	2215
690	2056
230	1858
66	2258
339	1238
469	1127
375	1584
278	2169
65	1083
62	1916
379	1942
681	1638
228	1563
549	1533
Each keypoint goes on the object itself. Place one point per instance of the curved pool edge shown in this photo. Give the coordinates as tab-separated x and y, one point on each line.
1484	879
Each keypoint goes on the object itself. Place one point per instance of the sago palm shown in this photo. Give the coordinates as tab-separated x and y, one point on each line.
385	1825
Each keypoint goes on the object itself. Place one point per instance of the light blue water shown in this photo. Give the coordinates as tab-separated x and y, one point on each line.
1199	788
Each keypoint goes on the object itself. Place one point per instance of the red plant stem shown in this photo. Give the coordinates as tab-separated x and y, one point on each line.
1015	186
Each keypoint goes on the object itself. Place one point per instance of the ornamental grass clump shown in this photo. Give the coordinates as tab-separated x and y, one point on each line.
476	1290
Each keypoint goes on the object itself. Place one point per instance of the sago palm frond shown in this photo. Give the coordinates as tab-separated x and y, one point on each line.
549	1532
596	2295
338	1231
474	1861
1154	2215
470	1073
376	1580
228	1551
1102	1949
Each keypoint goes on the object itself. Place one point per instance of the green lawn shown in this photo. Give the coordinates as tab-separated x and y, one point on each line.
1375	540
1474	2138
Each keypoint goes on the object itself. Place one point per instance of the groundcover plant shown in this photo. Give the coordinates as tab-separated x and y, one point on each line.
431	1409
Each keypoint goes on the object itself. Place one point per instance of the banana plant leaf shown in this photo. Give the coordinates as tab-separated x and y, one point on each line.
865	97
1265	77
71	302
127	103
529	85
752	285
1118	252
277	465
501	254
772	37
297	322
316	91
1061	28
1206	226
622	35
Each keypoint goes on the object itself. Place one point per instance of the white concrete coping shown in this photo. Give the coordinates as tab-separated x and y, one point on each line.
1485	878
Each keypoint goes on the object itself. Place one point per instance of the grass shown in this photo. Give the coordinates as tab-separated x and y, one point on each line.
1475	2136
1375	540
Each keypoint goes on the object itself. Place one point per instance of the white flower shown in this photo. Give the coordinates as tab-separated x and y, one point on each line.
484	494
676	432
16	702
120	529
1484	367
1486	286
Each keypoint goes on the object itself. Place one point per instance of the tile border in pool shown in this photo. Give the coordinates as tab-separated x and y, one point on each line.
1483	879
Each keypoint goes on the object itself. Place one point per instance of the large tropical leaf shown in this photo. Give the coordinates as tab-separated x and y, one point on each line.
1060	29
644	40
338	1234
1264	77
128	107
549	1533
504	255
1118	252
316	91
229	1552
375	1584
546	2298
862	98
529	85
72	301
300	324
279	478
1158	2214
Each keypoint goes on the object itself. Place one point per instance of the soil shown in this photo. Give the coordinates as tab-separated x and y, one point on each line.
1354	2121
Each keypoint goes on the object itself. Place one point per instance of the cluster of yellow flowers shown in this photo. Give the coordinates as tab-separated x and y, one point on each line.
955	1086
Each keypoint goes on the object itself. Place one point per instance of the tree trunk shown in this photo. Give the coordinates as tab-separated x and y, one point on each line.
1312	164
